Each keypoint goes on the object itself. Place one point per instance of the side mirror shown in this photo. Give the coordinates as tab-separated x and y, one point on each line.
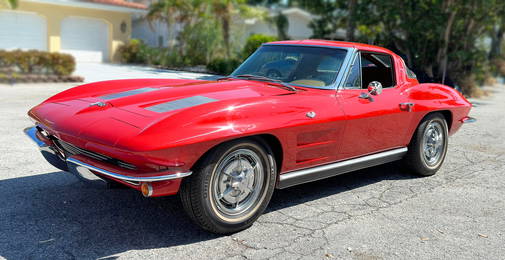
374	88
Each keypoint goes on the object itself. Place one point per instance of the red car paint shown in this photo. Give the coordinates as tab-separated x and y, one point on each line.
345	126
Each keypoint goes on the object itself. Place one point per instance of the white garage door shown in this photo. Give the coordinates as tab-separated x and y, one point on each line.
85	38
22	30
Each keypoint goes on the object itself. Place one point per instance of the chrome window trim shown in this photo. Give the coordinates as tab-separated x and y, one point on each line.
393	66
357	57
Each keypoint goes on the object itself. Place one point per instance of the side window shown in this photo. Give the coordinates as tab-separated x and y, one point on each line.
377	67
410	73
354	77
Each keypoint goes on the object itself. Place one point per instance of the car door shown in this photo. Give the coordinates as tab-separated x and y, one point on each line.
374	123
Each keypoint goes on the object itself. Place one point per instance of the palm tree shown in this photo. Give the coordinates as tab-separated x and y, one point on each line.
223	11
172	12
9	3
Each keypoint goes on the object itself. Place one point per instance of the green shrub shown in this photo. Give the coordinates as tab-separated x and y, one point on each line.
132	52
139	53
61	64
36	62
254	42
223	66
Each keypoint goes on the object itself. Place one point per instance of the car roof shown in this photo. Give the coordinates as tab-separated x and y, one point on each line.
359	46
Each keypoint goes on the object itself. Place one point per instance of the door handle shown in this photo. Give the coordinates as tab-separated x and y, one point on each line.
364	95
407	106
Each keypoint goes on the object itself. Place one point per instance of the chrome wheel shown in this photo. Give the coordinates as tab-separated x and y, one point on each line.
433	143
238	183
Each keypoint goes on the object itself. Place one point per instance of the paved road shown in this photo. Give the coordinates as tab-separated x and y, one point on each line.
378	213
93	72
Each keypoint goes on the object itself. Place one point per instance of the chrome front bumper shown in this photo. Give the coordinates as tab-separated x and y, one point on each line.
127	178
86	170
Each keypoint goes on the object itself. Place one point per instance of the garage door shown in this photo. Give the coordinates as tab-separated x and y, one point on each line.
85	38
22	30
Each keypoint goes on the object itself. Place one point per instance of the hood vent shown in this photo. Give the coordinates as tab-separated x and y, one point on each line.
180	103
128	93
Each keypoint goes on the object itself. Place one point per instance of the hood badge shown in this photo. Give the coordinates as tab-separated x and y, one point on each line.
98	104
311	114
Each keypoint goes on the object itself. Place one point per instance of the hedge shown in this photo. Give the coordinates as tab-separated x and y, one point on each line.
223	66
254	42
36	62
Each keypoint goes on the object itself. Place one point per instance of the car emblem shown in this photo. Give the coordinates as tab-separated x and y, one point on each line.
311	114
98	104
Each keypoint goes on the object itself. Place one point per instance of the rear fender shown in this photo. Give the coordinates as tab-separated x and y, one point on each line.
429	98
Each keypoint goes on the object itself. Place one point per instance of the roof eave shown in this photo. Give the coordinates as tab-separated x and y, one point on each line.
90	5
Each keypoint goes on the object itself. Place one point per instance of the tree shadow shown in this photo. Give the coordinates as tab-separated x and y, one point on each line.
56	216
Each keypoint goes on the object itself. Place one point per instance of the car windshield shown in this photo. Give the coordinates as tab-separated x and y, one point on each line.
298	65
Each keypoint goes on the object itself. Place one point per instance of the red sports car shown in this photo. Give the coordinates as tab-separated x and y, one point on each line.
293	112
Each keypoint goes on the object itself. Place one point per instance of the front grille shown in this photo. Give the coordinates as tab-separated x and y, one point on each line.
71	149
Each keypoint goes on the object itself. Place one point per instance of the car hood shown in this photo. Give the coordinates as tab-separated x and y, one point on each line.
105	114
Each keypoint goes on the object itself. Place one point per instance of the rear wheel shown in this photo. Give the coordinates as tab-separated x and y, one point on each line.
231	187
428	146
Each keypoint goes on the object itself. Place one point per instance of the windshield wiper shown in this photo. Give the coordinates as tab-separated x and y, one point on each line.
262	78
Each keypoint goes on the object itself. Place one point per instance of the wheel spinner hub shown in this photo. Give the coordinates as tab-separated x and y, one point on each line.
238	182
433	143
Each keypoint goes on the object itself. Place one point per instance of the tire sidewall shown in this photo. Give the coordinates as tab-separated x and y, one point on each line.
209	173
419	150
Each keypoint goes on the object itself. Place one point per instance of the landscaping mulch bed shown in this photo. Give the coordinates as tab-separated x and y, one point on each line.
38	78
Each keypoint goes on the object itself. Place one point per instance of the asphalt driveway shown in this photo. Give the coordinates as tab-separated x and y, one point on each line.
378	213
93	72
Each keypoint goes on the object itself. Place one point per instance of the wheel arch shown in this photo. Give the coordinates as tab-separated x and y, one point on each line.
270	141
447	114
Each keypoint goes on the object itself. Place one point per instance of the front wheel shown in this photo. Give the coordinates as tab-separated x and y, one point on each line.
428	146
231	186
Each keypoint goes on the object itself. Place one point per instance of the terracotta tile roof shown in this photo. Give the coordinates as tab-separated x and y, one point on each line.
120	3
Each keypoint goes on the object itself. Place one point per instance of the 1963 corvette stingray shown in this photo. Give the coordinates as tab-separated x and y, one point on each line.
293	112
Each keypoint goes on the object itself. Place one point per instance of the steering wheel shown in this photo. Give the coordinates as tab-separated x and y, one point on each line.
273	74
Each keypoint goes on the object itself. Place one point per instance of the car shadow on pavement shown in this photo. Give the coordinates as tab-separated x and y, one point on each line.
53	215
323	188
56	216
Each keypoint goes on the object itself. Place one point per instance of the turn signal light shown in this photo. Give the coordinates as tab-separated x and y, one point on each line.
146	189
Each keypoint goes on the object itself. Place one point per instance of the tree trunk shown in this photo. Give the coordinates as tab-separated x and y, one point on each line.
496	42
351	21
170	36
442	52
225	23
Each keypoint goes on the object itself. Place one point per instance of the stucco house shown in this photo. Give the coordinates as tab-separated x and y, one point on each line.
156	34
90	30
298	24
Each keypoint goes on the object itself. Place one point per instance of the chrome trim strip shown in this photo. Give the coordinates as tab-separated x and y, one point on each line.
468	119
128	178
307	175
